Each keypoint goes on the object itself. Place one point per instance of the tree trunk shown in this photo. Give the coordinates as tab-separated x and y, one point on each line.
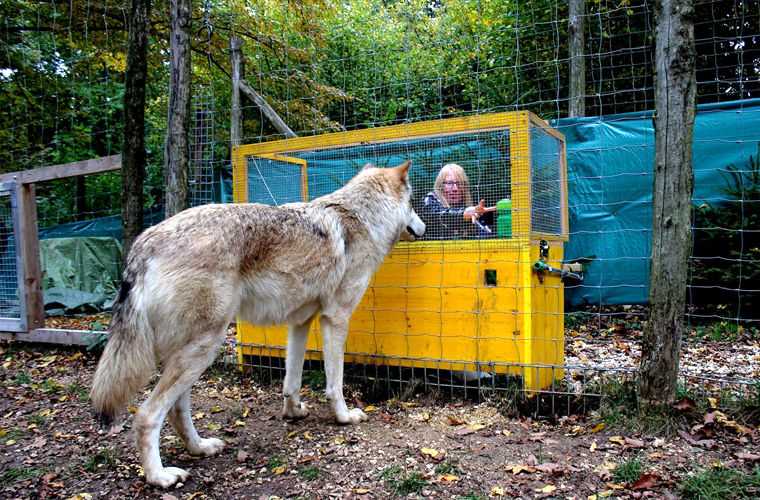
236	120
133	156
177	151
675	90
576	31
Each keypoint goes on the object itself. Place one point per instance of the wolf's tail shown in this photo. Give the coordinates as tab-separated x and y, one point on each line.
128	360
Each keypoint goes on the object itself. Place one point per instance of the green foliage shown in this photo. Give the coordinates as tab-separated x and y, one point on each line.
720	483
402	482
726	256
14	474
103	459
309	473
628	471
22	378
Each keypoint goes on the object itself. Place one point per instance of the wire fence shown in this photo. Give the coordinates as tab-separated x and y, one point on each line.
365	64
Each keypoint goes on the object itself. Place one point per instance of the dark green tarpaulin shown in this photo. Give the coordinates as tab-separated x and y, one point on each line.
610	165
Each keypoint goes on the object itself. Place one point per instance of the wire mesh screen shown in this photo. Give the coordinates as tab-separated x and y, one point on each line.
10	306
202	140
274	182
546	182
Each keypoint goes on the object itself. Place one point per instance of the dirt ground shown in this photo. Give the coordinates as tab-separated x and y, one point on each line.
50	447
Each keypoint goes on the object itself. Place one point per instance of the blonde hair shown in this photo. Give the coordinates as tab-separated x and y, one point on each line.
461	176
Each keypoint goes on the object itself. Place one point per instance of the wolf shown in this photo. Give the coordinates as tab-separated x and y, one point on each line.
186	278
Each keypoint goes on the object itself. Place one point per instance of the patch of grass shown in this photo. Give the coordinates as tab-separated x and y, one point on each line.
14	474
721	331
275	462
50	386
309	473
36	419
22	378
105	458
315	379
402	483
12	434
720	483
447	467
77	390
628	471
472	496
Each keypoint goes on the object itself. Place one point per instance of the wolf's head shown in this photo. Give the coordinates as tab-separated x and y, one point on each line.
413	227
395	181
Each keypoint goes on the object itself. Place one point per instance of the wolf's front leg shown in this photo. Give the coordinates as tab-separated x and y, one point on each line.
334	333
292	407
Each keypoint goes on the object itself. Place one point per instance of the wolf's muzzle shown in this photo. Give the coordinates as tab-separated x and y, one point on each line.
411	231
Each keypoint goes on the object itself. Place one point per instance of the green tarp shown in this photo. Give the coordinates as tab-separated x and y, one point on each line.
610	164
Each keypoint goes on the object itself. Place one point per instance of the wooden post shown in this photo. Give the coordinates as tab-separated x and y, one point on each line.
28	247
133	168
576	31
675	91
236	120
177	148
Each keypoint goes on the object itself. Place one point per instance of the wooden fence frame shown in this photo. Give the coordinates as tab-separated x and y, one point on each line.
31	327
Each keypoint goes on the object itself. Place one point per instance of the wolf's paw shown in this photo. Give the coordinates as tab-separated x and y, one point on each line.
351	417
167	476
208	447
294	411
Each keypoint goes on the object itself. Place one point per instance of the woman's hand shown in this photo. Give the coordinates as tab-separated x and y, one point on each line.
474	212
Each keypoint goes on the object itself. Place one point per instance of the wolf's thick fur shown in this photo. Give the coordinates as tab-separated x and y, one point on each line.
188	277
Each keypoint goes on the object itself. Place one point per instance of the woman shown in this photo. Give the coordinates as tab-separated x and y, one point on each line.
448	209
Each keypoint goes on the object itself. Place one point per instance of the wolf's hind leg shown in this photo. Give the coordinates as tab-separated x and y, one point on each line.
181	369
182	421
292	407
334	333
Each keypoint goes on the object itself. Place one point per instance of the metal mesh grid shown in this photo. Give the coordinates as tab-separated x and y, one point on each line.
9	291
273	182
201	169
545	182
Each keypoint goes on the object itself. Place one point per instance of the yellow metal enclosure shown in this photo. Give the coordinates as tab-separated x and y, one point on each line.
455	304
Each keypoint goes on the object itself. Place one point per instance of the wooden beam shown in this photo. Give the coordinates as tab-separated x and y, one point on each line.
58	336
268	111
28	251
86	167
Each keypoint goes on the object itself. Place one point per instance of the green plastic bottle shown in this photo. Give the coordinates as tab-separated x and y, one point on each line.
504	218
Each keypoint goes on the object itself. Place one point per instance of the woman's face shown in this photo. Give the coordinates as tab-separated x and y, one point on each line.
453	189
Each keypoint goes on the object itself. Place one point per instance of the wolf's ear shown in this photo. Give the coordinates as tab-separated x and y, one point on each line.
403	170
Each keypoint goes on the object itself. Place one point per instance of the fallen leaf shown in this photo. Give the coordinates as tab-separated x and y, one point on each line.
308	436
81	496
239	423
212	426
497	491
713	402
361	491
216	409
454	420
339	440
634	443
646	482
592	448
549	468
519	468
279	470
370	408
617	440
241	457
199	415
432	453
549	488
750	457
246	412
448	478
168	496
685	404
598	427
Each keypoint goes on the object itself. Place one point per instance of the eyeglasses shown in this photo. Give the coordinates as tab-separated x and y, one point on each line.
453	183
